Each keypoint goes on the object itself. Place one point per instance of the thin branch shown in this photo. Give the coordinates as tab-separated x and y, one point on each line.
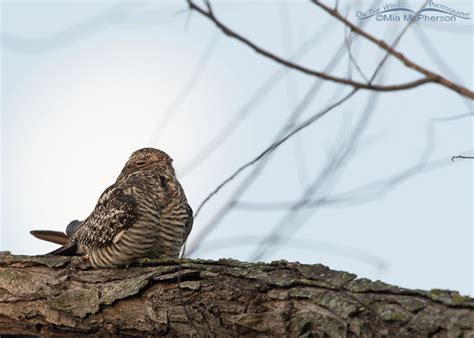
433	53
114	15
211	225
331	169
274	146
366	193
352	59
429	75
292	90
224	210
462	157
219	139
281	137
359	85
453	118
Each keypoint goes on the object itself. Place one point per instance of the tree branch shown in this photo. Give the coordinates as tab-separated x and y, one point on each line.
43	296
355	84
429	75
462	157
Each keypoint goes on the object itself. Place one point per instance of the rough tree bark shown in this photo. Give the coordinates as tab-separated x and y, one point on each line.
42	295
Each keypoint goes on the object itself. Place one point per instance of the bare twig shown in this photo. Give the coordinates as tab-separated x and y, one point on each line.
219	139
368	192
453	118
352	59
462	157
116	14
262	159
267	151
331	168
282	138
323	75
424	40
292	90
433	54
429	75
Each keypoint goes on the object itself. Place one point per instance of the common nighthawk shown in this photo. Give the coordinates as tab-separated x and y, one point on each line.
143	214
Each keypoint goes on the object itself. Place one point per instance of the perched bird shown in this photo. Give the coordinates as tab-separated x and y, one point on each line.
143	214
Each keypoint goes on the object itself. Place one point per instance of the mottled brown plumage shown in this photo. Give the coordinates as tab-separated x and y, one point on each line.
143	214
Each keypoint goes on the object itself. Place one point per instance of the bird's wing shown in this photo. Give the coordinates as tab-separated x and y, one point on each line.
72	227
57	237
115	211
189	224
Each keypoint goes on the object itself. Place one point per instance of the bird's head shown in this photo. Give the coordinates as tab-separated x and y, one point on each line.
148	159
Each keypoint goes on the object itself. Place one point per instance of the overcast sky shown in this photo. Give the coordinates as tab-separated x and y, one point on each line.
85	84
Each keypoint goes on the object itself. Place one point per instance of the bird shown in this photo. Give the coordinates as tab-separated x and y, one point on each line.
144	214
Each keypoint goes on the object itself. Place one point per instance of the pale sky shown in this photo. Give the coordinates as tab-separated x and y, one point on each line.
84	84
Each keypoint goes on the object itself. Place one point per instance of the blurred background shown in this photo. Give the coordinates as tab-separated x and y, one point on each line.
84	84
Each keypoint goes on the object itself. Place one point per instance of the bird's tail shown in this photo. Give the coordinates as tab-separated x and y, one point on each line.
57	237
68	248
